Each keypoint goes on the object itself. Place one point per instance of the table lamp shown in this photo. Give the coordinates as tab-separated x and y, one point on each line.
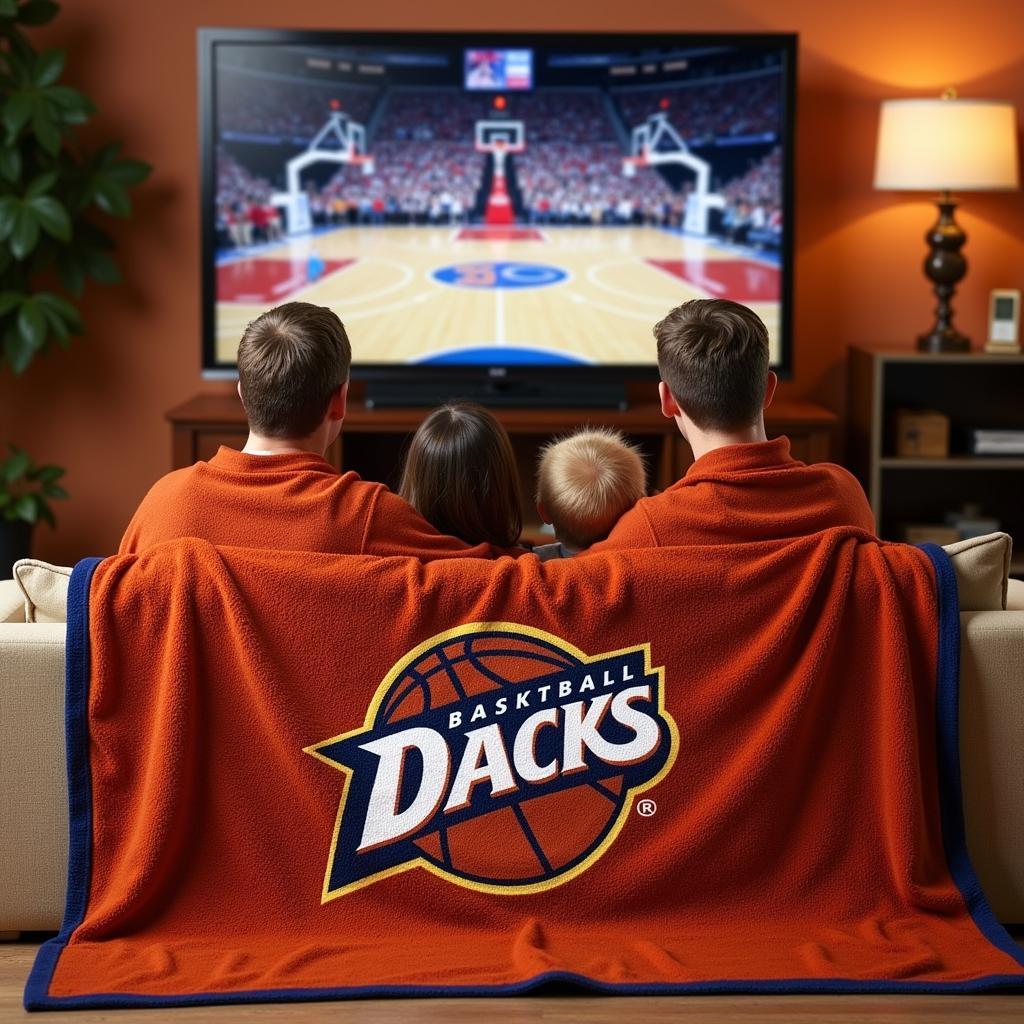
946	144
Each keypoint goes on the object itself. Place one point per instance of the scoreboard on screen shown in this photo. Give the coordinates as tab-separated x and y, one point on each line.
499	69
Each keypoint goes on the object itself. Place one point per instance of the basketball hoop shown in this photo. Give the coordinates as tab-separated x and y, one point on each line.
499	137
631	163
362	160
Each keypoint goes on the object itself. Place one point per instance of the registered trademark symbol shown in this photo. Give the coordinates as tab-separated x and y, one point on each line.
646	808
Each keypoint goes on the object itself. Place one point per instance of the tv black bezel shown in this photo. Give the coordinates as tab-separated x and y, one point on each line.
209	38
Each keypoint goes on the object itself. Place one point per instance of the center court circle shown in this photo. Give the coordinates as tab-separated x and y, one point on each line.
486	275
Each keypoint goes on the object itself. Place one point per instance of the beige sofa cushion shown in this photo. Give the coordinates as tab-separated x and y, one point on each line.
12	602
33	779
45	588
982	567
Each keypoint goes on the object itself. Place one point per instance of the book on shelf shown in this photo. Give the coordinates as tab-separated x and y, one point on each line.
997	442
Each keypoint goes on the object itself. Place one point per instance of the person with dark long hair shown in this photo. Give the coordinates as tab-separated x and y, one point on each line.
460	475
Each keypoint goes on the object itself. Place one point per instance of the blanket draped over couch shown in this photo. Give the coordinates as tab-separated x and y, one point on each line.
299	776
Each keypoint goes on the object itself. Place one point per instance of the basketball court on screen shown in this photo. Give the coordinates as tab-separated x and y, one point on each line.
552	294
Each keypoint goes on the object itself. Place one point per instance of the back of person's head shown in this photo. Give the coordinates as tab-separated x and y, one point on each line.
713	355
460	475
291	360
586	481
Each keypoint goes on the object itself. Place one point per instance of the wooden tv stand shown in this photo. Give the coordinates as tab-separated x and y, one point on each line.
373	440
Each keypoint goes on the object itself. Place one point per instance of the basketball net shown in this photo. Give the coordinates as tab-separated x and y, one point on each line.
631	163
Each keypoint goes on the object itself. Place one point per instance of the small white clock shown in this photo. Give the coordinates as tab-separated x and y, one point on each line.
1004	321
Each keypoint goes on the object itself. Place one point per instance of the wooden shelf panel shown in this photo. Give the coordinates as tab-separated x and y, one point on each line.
373	440
953	462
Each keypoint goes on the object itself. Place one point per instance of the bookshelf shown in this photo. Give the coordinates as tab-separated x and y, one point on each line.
974	390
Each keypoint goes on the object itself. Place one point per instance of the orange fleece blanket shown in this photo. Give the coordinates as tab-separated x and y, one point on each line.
728	768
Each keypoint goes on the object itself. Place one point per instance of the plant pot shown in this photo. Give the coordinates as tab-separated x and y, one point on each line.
15	543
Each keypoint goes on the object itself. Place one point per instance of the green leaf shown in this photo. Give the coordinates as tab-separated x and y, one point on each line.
111	196
106	154
62	317
10	207
93	237
41	183
60	306
18	354
68	98
32	324
17	110
50	474
56	492
16	466
38	12
5	498
101	267
46	514
48	67
25	233
42	256
10	163
128	172
70	272
52	217
8	8
25	508
9	301
45	130
21	50
68	105
58	331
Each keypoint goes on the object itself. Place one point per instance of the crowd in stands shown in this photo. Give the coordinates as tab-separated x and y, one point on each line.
277	109
427	171
419	183
245	214
753	211
703	113
583	183
432	115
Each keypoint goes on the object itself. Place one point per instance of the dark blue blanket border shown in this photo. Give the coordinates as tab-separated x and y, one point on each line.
76	737
79	861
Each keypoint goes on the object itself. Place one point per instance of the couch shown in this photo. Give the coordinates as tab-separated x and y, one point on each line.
33	791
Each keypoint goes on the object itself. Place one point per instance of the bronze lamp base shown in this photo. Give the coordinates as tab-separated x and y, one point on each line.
944	267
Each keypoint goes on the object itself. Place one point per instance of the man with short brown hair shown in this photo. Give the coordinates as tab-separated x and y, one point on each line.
715	383
279	491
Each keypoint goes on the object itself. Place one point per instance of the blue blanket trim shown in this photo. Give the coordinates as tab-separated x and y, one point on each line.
953	835
76	738
947	720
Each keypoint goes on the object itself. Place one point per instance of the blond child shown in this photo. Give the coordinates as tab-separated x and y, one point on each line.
585	482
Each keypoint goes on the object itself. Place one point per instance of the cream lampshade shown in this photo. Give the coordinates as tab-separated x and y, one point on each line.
945	144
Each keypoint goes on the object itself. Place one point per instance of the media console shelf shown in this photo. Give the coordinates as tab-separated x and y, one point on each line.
374	440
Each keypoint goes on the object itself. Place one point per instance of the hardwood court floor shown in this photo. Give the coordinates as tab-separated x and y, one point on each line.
591	292
16	958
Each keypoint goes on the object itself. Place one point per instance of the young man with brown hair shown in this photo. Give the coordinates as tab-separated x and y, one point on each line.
279	491
716	384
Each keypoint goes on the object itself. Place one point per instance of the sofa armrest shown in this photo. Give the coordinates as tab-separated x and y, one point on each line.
1015	595
991	747
33	779
12	602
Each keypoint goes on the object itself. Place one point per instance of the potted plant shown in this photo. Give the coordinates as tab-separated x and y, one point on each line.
54	194
26	491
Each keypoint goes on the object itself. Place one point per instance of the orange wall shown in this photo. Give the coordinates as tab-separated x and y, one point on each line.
99	410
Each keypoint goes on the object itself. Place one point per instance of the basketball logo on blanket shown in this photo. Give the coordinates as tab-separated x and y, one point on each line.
498	757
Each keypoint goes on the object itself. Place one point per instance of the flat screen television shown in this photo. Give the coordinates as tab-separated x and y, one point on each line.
494	205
